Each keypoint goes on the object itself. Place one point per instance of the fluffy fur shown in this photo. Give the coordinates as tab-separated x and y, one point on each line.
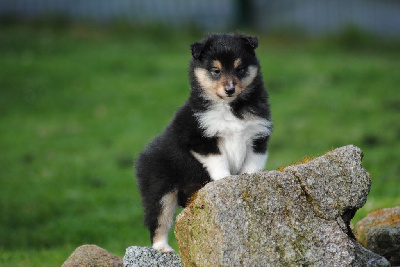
221	130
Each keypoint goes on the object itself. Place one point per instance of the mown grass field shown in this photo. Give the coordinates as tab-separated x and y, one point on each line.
78	103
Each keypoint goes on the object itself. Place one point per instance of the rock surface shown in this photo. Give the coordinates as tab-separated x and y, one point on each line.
147	256
297	217
380	233
92	255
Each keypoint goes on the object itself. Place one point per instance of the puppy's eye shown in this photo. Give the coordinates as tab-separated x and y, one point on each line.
215	72
240	70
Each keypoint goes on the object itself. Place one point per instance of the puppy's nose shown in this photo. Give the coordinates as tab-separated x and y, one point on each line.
230	90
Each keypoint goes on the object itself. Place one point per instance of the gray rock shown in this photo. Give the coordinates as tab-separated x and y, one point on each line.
380	233
147	256
297	217
92	255
334	183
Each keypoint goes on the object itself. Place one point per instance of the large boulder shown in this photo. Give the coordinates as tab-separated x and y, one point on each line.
92	255
297	217
380	233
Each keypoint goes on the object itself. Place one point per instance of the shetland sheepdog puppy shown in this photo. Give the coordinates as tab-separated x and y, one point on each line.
222	129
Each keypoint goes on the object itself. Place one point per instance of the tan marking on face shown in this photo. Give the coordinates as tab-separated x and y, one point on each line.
208	84
237	63
213	89
217	64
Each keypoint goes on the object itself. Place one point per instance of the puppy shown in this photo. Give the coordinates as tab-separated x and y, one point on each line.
221	130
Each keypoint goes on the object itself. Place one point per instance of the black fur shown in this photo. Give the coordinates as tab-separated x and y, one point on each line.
167	163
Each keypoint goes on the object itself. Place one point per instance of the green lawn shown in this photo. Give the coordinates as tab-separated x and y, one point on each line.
78	103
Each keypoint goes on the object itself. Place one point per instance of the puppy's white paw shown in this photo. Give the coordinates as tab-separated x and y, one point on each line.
163	247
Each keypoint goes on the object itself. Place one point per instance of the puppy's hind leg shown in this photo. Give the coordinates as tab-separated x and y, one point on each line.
165	221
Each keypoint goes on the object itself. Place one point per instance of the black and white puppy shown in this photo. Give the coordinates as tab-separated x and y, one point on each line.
221	130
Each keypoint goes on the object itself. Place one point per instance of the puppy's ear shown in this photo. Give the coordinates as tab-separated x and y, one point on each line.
197	49
251	40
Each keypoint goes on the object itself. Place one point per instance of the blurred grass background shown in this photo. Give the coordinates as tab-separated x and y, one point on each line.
78	102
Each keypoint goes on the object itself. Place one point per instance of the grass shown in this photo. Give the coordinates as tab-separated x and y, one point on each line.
78	103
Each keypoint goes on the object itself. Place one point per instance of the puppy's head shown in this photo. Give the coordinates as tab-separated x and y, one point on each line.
224	65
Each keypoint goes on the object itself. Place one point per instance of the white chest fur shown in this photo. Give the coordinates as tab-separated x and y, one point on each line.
235	135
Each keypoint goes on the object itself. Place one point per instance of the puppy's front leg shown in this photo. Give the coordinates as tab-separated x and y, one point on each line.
254	162
256	156
216	165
